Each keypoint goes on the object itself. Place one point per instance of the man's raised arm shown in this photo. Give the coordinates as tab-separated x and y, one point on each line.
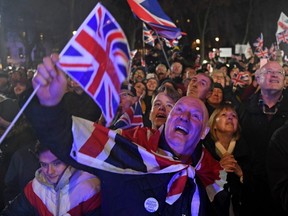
48	117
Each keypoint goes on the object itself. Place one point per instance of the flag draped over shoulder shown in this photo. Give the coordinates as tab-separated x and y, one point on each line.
98	58
150	12
101	148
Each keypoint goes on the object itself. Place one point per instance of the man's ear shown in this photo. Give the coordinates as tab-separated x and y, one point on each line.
204	132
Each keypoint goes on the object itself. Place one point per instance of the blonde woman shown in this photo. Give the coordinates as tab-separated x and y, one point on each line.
225	145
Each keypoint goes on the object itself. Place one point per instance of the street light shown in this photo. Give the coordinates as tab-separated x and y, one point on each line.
197	41
217	39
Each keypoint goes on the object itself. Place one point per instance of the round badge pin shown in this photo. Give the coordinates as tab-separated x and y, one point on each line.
151	204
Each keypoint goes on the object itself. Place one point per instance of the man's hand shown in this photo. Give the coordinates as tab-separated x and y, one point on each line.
52	81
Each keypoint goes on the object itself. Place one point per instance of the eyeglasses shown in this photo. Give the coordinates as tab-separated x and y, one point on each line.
277	73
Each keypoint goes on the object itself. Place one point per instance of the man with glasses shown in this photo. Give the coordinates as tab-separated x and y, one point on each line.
264	112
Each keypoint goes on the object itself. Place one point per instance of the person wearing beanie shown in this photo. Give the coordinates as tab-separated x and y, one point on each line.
215	99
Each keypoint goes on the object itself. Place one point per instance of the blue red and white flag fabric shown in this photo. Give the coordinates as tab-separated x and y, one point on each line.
98	58
259	42
135	151
282	37
150	12
171	43
133	117
148	35
240	79
262	53
272	52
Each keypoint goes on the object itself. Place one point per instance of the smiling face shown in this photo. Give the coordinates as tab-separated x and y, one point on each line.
271	77
151	84
186	125
51	167
161	107
139	75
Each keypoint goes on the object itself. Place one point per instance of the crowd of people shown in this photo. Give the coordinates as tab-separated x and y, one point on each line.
187	139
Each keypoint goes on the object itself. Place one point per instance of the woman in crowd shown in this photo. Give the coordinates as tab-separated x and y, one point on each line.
215	99
225	145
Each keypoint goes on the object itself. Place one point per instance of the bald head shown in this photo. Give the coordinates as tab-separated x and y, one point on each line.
186	124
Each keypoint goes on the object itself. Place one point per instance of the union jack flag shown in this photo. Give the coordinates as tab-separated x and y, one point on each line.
272	52
150	12
282	37
134	152
97	57
259	42
282	24
148	36
262	53
171	43
240	79
131	118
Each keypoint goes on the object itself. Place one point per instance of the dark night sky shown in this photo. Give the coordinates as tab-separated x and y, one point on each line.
228	18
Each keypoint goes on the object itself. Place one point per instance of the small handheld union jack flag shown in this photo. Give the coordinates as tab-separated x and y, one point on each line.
282	37
148	35
262	53
259	42
98	58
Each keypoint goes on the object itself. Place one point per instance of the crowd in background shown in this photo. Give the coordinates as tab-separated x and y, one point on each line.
246	105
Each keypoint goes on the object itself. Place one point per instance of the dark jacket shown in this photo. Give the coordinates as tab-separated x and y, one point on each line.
277	166
21	170
257	129
127	192
235	189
